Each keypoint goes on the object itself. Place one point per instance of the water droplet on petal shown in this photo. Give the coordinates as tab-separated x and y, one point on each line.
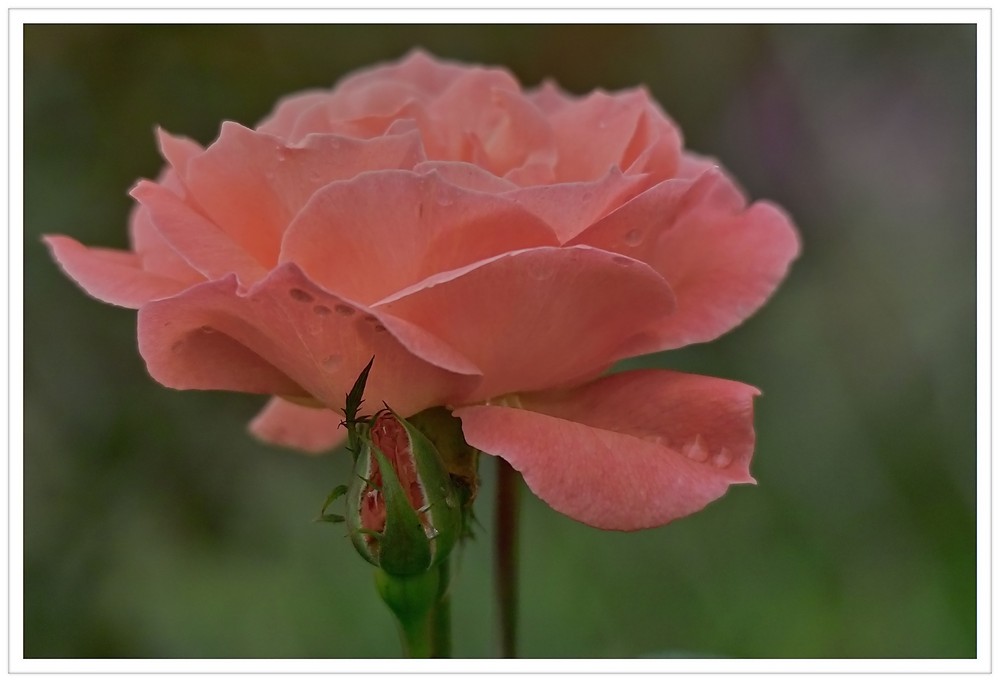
695	450
299	295
331	361
176	346
622	260
344	310
205	329
281	153
321	310
542	270
633	237
722	459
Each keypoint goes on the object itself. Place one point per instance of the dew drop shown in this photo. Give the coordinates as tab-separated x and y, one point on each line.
622	260
633	237
695	450
299	295
344	310
331	361
205	329
722	459
371	319
542	270
321	310
281	153
177	345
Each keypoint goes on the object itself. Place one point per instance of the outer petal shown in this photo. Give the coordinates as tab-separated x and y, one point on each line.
380	232
597	132
311	429
252	185
628	451
204	246
571	207
288	336
722	268
538	318
281	121
108	275
721	259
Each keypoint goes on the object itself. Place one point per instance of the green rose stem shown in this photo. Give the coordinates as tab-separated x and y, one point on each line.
505	555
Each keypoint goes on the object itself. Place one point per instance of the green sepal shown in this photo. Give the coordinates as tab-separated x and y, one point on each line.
352	406
337	492
404	548
443	507
330	518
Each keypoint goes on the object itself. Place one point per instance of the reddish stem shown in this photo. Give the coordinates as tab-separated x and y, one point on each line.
505	555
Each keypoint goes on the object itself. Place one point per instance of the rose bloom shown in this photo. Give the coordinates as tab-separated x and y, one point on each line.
496	249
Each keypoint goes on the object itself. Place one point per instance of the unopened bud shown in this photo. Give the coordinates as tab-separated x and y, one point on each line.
403	511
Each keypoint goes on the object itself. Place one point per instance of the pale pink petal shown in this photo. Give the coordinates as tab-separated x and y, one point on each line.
549	97
215	336
108	275
540	317
466	176
417	68
634	228
177	150
722	268
571	207
155	253
380	232
252	185
629	451
722	260
281	121
655	147
486	106
201	243
310	429
595	133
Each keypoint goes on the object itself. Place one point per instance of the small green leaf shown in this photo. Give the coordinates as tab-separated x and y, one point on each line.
330	518
339	491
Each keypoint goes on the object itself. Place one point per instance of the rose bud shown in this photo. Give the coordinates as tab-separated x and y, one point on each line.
403	511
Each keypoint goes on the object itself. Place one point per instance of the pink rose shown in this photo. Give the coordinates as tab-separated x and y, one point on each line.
496	250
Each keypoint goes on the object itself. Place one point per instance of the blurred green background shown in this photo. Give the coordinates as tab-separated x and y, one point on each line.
155	526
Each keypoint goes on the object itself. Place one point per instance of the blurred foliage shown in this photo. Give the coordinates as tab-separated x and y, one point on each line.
155	526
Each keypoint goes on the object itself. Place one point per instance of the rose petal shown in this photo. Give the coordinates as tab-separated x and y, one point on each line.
252	185
466	176
108	275
655	147
155	253
722	261
487	104
201	243
722	268
538	318
380	232
281	121
571	207
310	429
285	333
594	133
177	150
629	451
417	68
